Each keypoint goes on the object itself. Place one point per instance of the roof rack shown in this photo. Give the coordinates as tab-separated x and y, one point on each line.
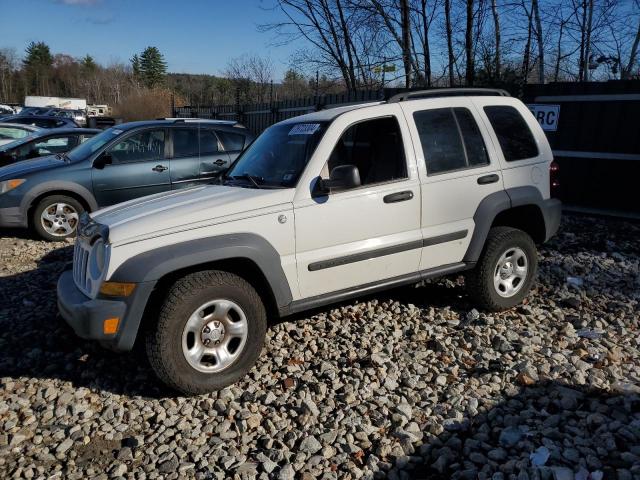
198	120
447	92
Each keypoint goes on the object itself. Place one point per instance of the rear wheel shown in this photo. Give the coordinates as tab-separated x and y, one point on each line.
506	269
56	217
209	333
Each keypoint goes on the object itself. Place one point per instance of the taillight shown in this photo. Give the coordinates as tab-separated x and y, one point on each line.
554	179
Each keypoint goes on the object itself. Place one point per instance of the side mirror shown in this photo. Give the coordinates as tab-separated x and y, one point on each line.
104	159
342	177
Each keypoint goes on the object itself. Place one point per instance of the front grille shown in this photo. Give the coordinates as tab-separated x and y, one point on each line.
80	260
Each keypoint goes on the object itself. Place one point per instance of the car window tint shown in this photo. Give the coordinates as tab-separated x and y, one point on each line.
185	142
473	142
143	146
450	139
441	143
514	135
208	142
375	147
232	142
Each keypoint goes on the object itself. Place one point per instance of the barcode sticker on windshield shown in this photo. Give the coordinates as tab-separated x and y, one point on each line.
304	129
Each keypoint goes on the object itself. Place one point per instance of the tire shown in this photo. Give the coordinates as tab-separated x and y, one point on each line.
490	287
179	325
61	208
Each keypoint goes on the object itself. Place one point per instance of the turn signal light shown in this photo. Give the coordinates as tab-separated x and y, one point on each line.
117	289
110	326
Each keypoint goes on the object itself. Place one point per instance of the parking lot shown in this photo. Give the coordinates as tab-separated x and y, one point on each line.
411	383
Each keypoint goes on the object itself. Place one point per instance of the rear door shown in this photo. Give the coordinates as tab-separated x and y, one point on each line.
458	169
139	166
185	158
213	158
232	142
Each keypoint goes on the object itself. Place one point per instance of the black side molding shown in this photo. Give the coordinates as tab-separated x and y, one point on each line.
381	252
359	257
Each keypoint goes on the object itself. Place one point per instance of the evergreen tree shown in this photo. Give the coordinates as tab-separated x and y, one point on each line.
37	63
135	66
88	63
153	67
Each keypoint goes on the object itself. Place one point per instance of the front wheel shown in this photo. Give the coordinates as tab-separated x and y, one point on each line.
56	217
209	333
506	269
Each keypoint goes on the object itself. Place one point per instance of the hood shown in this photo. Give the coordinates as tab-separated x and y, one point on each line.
170	212
18	169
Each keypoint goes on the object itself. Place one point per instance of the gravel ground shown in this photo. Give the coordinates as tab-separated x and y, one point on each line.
411	383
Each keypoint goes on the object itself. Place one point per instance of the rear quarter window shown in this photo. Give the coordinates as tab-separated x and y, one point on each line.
514	135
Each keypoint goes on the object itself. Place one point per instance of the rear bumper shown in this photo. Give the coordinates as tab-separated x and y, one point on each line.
552	212
12	217
86	316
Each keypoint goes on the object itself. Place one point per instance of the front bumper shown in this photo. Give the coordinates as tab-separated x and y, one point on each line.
12	217
552	213
86	315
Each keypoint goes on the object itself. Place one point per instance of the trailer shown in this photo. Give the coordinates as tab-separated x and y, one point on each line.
55	102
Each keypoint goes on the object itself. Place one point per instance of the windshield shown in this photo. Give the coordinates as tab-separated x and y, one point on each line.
278	156
93	144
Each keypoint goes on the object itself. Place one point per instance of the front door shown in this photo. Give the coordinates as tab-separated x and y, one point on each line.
367	234
138	167
185	157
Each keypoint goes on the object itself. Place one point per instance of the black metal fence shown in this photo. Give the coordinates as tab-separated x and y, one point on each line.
595	137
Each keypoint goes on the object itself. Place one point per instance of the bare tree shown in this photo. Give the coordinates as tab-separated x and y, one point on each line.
496	30
627	71
468	44
449	30
539	39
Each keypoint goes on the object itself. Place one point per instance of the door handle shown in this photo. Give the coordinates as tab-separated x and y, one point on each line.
398	197
219	162
160	168
486	179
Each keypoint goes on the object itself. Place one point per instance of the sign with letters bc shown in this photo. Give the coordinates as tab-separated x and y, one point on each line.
547	115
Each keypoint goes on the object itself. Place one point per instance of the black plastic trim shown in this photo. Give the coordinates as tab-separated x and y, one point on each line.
359	257
447	237
154	264
345	294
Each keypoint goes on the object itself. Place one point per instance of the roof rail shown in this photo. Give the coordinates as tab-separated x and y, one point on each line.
198	120
447	92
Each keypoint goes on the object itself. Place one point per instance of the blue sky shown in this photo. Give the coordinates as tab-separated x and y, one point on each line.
196	36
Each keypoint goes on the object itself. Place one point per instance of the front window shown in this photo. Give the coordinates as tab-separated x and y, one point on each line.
14	133
92	145
278	157
144	146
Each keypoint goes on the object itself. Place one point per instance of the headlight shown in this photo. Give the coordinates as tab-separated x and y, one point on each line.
7	185
97	259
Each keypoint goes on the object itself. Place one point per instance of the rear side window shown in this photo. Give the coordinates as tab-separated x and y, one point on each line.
208	142
516	140
232	142
450	139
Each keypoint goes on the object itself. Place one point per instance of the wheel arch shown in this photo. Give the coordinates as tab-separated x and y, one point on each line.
520	207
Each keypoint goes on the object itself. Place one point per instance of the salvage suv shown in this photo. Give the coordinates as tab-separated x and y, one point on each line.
320	208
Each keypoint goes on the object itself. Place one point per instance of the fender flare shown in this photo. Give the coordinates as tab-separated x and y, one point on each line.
498	202
56	185
152	265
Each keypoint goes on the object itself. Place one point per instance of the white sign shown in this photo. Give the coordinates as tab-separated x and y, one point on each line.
547	115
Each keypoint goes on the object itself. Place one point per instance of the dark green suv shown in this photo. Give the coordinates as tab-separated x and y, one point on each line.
122	163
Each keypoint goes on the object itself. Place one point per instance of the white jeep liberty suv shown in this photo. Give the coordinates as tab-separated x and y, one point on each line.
320	208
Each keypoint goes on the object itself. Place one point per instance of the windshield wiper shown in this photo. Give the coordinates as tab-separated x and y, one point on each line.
252	178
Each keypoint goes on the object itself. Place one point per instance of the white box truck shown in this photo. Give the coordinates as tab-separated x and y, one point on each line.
55	102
